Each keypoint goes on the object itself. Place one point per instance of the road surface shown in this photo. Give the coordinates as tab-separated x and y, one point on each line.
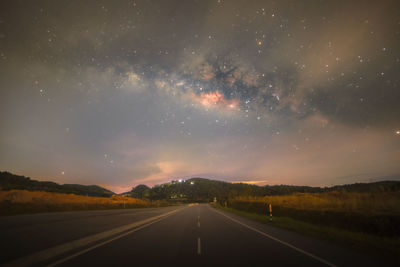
195	235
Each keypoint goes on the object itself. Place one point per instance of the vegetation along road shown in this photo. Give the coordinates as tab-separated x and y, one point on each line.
198	235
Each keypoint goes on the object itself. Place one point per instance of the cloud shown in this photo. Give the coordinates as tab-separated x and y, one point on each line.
281	91
133	82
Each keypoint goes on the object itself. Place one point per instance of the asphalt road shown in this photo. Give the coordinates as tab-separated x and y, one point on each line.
196	235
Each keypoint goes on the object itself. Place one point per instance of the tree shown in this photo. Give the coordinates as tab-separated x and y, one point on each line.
140	191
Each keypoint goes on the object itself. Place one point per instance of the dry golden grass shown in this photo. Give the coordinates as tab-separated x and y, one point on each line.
372	213
22	201
23	196
371	203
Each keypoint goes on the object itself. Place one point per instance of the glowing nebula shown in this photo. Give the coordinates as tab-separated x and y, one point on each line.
214	99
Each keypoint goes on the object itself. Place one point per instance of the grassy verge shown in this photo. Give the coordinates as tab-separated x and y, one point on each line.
370	213
21	202
382	247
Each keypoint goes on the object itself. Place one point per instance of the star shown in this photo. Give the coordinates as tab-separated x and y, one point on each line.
153	94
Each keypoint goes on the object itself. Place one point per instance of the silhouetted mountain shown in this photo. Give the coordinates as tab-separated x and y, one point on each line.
383	186
203	190
191	190
10	181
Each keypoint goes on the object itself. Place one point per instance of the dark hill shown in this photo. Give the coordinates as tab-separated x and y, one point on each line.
10	181
191	190
203	190
383	186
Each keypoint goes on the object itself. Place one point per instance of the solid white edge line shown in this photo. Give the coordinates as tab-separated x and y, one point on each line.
52	252
102	243
279	241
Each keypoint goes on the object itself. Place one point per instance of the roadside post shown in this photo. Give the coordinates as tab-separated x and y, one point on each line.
270	212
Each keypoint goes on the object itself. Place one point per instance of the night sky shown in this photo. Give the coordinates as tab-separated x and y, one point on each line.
118	93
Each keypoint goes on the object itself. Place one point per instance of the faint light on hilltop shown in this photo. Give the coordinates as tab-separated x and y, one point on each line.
398	132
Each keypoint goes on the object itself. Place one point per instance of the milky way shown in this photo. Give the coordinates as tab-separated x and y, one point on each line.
119	93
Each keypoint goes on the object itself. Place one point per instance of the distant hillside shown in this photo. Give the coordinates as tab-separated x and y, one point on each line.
191	190
202	190
383	186
10	181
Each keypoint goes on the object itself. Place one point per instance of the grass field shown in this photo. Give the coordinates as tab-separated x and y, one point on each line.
372	213
371	203
22	201
387	248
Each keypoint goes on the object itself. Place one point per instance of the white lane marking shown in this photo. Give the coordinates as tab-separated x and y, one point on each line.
49	253
198	246
102	243
280	241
